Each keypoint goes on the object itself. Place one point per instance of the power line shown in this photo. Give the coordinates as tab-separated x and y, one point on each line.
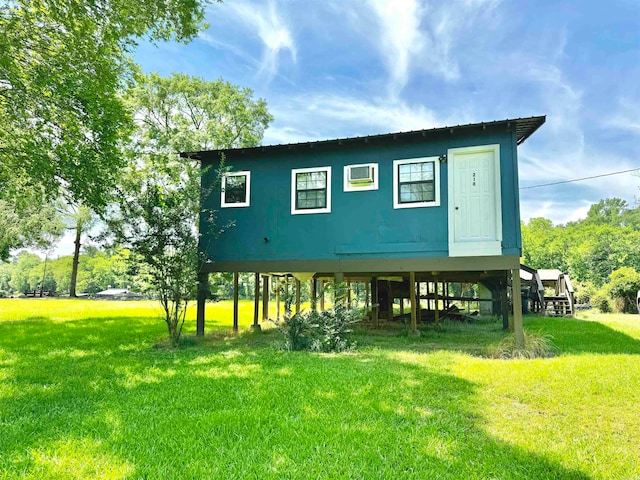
581	179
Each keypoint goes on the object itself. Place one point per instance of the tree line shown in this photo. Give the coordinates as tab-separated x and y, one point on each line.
97	271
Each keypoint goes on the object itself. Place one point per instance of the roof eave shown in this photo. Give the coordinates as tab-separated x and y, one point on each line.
524	127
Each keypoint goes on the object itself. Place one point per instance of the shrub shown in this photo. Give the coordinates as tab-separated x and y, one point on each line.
333	328
585	292
623	285
319	331
536	345
297	331
601	301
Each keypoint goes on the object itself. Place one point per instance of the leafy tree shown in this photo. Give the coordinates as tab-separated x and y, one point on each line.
181	113
624	285
165	243
159	200
6	272
542	244
21	278
81	219
63	64
34	225
631	218
609	211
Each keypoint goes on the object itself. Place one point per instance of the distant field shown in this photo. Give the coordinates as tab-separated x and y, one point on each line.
85	393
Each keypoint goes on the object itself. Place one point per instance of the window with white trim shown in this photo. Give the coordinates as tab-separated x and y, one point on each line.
416	182
311	190
363	176
236	188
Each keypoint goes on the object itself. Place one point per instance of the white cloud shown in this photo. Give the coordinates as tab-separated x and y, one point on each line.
557	212
322	116
266	21
626	116
424	36
400	38
561	151
234	49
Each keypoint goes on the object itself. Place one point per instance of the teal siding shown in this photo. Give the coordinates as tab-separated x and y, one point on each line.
361	224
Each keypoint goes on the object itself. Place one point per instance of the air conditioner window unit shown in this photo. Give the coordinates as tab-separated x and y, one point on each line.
361	174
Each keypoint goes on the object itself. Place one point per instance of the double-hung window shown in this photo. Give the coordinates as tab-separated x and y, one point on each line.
235	189
416	182
311	190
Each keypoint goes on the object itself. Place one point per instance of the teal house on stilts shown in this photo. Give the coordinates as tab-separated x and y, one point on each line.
398	211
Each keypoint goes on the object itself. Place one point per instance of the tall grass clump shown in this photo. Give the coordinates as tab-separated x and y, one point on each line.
536	345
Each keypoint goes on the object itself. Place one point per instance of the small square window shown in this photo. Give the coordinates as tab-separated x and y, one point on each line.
416	182
235	189
311	190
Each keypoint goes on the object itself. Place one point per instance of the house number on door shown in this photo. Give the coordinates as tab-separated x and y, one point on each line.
473	184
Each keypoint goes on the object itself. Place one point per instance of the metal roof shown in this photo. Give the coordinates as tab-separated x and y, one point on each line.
549	274
523	128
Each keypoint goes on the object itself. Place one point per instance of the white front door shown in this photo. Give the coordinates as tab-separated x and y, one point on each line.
475	213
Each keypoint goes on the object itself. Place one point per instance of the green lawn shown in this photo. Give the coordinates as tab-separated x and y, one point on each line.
85	393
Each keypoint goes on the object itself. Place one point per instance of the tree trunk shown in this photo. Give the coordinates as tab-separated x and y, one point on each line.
76	260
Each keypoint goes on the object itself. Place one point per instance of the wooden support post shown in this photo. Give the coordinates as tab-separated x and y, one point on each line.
298	286
437	310
287	297
389	302
412	293
256	302
203	291
419	303
517	308
338	289
348	295
322	295
265	298
375	310
367	301
401	305
278	298
314	294
505	305
428	294
446	292
495	301
235	301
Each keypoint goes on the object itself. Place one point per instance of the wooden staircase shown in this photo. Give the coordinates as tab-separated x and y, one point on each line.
560	303
557	306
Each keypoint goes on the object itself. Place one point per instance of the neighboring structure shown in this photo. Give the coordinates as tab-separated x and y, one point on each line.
112	292
117	294
434	206
548	291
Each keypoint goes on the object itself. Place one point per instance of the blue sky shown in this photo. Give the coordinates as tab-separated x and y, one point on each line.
331	69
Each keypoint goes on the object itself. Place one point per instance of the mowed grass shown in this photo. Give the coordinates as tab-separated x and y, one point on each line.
85	393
